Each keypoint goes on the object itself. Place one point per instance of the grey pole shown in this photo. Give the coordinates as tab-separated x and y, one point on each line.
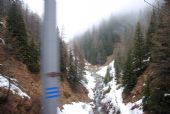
50	60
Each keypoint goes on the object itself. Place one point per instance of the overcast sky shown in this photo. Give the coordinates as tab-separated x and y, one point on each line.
76	16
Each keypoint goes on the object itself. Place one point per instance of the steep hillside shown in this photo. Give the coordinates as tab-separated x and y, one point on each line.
157	84
26	81
30	84
153	84
16	53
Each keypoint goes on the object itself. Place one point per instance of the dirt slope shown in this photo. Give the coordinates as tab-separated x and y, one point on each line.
31	84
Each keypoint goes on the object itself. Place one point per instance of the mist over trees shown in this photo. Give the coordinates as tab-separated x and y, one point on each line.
72	64
143	48
140	44
99	42
23	42
97	45
76	67
155	59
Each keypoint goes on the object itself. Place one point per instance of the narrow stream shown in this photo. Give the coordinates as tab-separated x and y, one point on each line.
98	94
108	98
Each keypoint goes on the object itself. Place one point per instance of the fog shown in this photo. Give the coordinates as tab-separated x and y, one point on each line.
76	16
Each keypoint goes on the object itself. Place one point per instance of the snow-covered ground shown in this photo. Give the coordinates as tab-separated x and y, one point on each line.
89	83
4	83
102	71
113	97
77	108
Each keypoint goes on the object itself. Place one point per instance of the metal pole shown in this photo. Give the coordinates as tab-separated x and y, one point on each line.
50	60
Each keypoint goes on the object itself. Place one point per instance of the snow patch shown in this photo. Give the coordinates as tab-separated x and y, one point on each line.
102	71
166	94
114	97
76	108
147	60
89	83
4	83
2	24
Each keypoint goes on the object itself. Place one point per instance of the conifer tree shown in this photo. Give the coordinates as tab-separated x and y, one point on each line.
79	60
129	79
16	26
72	71
148	49
63	56
118	66
139	53
107	77
146	94
134	65
80	66
158	99
17	41
149	36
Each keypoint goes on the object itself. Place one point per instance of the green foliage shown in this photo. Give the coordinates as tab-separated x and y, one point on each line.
76	66
79	61
63	56
148	49
156	98
72	71
107	77
134	65
16	26
156	93
149	37
146	94
129	79
18	39
139	52
118	68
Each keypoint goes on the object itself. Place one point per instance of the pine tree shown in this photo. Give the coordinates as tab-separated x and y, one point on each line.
16	26
17	41
72	71
107	77
139	53
63	56
129	79
149	36
134	65
118	66
63	59
146	94
157	99
79	60
148	50
80	66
